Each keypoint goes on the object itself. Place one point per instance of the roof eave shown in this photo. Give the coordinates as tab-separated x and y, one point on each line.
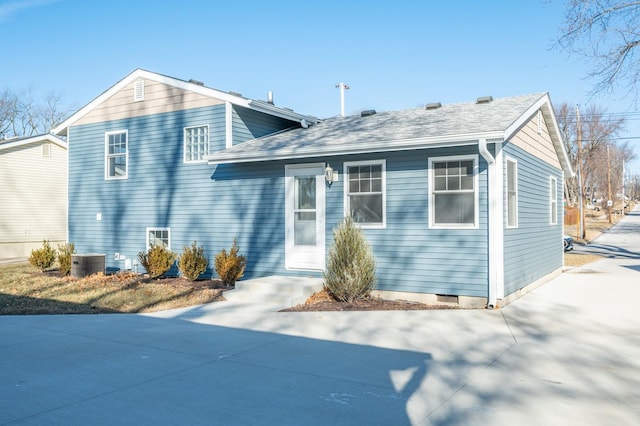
25	141
352	149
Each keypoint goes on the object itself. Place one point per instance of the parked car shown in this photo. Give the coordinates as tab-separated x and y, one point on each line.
568	243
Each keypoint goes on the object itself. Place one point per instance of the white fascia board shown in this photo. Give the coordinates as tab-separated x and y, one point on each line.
544	104
180	84
34	139
380	146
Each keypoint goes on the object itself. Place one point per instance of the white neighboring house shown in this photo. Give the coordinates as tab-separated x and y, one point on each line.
33	194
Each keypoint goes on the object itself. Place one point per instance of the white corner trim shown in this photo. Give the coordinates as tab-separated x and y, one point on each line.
228	124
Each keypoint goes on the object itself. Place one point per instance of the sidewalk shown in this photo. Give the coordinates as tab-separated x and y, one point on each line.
566	353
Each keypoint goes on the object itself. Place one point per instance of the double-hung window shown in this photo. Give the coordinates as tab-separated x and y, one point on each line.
512	193
196	143
453	188
365	192
116	154
553	201
159	237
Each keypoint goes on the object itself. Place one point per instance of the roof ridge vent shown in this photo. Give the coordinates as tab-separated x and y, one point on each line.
433	105
484	100
368	112
231	92
198	82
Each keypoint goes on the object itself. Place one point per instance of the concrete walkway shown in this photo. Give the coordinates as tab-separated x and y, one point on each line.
567	353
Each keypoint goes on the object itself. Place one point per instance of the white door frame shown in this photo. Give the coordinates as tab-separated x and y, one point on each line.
305	257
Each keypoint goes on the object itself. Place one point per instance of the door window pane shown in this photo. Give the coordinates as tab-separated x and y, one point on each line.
304	226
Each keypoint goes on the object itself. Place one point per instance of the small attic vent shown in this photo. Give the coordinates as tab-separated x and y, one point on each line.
367	113
198	82
46	150
138	91
433	105
234	93
484	100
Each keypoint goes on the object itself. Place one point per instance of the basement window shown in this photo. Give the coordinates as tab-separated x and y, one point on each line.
159	237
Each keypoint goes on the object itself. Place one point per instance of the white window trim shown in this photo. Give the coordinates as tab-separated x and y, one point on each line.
184	144
553	201
346	200
506	190
476	190
149	229
106	155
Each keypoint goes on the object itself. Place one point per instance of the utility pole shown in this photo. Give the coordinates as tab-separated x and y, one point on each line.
342	87
609	201
581	230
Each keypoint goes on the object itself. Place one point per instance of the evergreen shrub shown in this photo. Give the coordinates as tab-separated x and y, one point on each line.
64	258
193	262
351	267
230	266
44	257
157	260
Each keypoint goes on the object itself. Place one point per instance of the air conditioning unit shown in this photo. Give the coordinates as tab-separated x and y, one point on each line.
83	265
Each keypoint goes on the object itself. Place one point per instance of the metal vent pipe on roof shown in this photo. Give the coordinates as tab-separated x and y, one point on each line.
484	99
270	97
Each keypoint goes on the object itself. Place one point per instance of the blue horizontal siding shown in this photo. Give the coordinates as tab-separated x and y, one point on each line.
248	124
162	191
410	256
214	205
534	248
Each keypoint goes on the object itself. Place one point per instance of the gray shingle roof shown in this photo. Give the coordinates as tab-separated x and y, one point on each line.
455	124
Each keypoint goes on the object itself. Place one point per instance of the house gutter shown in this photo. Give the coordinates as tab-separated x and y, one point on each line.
495	221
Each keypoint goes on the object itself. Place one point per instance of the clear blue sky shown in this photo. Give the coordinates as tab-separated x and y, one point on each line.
393	55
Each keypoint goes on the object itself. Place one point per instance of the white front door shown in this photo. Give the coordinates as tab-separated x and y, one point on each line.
304	216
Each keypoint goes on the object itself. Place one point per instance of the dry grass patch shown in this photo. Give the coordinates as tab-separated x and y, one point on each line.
24	290
576	259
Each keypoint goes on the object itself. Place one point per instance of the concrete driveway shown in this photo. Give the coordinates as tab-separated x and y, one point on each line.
567	353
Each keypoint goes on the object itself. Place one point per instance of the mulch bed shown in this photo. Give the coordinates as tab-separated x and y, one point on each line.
323	301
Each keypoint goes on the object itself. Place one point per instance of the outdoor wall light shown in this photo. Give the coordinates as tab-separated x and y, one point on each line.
330	175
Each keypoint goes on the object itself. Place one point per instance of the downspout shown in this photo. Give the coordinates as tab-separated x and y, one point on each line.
494	218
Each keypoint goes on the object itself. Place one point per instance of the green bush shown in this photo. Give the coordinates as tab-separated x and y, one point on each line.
351	267
193	262
43	258
230	266
157	260
64	258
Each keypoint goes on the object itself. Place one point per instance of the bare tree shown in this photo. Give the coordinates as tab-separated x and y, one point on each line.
22	115
598	130
607	33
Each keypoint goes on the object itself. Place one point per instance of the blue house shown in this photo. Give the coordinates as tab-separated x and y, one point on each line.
459	202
